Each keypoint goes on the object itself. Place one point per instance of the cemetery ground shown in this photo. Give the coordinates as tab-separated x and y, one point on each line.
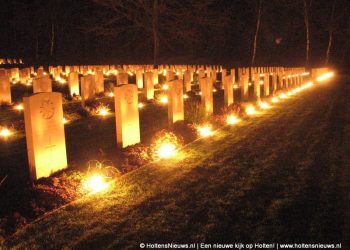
279	176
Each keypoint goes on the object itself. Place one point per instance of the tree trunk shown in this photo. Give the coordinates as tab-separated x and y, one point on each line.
256	32
307	28
155	33
37	46
346	46
52	42
330	38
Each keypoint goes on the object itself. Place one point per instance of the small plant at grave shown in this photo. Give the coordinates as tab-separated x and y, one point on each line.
194	112
5	105
234	109
165	144
98	177
96	108
106	168
102	110
185	130
135	156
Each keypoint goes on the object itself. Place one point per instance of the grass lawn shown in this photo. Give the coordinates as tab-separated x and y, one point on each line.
282	176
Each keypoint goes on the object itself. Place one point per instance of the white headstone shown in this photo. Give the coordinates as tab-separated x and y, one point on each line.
175	101
5	89
127	115
73	83
42	84
46	145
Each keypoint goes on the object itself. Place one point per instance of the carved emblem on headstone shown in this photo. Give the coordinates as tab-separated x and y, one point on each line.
47	109
129	96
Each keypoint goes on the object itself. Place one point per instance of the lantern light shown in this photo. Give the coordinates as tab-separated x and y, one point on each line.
95	184
205	131
250	110
232	119
166	150
5	132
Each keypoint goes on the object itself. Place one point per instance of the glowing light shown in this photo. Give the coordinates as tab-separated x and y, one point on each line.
140	105
15	80
64	121
163	99
186	96
111	94
205	131
60	80
235	86
102	110
130	73
261	82
19	107
214	90
200	92
283	96
165	86
264	105
274	99
232	119
307	85
249	84
250	110
166	150
95	184
289	93
5	133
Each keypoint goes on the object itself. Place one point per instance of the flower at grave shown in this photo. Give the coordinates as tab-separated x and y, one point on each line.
205	130
5	132
165	86
165	145
232	119
141	105
250	110
274	99
102	110
264	105
19	107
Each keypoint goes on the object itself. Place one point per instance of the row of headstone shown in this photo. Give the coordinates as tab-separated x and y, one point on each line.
43	114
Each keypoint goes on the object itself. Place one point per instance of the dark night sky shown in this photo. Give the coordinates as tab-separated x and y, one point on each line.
220	32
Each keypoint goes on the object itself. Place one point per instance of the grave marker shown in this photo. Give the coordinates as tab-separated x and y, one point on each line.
46	145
